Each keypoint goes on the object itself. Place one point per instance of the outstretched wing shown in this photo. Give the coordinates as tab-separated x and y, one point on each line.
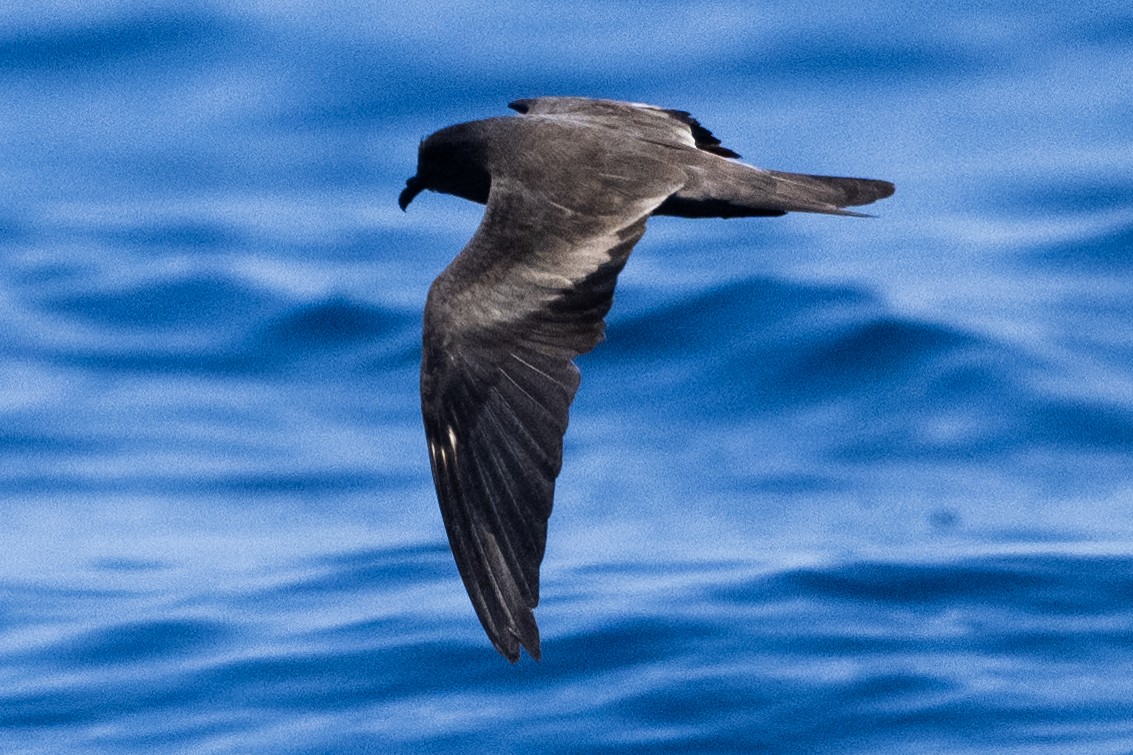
502	325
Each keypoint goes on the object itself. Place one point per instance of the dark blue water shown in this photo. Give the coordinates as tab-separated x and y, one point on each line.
830	485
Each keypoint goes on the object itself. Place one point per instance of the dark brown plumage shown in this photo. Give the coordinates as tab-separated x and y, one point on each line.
568	186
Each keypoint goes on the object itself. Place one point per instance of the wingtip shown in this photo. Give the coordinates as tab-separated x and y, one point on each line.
512	652
534	649
519	639
704	139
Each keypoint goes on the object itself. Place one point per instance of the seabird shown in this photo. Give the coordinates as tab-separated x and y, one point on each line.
568	187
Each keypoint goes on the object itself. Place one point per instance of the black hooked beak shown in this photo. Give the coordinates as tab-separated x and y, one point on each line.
413	187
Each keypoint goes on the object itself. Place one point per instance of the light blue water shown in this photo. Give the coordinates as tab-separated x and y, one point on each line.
830	485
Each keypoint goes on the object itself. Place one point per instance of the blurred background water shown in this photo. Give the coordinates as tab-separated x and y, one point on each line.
830	485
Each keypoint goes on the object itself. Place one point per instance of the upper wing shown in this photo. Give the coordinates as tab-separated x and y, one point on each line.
502	324
649	122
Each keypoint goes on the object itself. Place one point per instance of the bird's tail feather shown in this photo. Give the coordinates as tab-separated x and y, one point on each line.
819	193
733	190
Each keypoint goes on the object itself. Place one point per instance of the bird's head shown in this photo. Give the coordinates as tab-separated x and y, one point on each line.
450	161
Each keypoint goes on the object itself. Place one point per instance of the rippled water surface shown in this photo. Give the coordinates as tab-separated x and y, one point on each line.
830	485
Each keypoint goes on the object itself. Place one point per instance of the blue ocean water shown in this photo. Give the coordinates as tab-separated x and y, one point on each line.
831	485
